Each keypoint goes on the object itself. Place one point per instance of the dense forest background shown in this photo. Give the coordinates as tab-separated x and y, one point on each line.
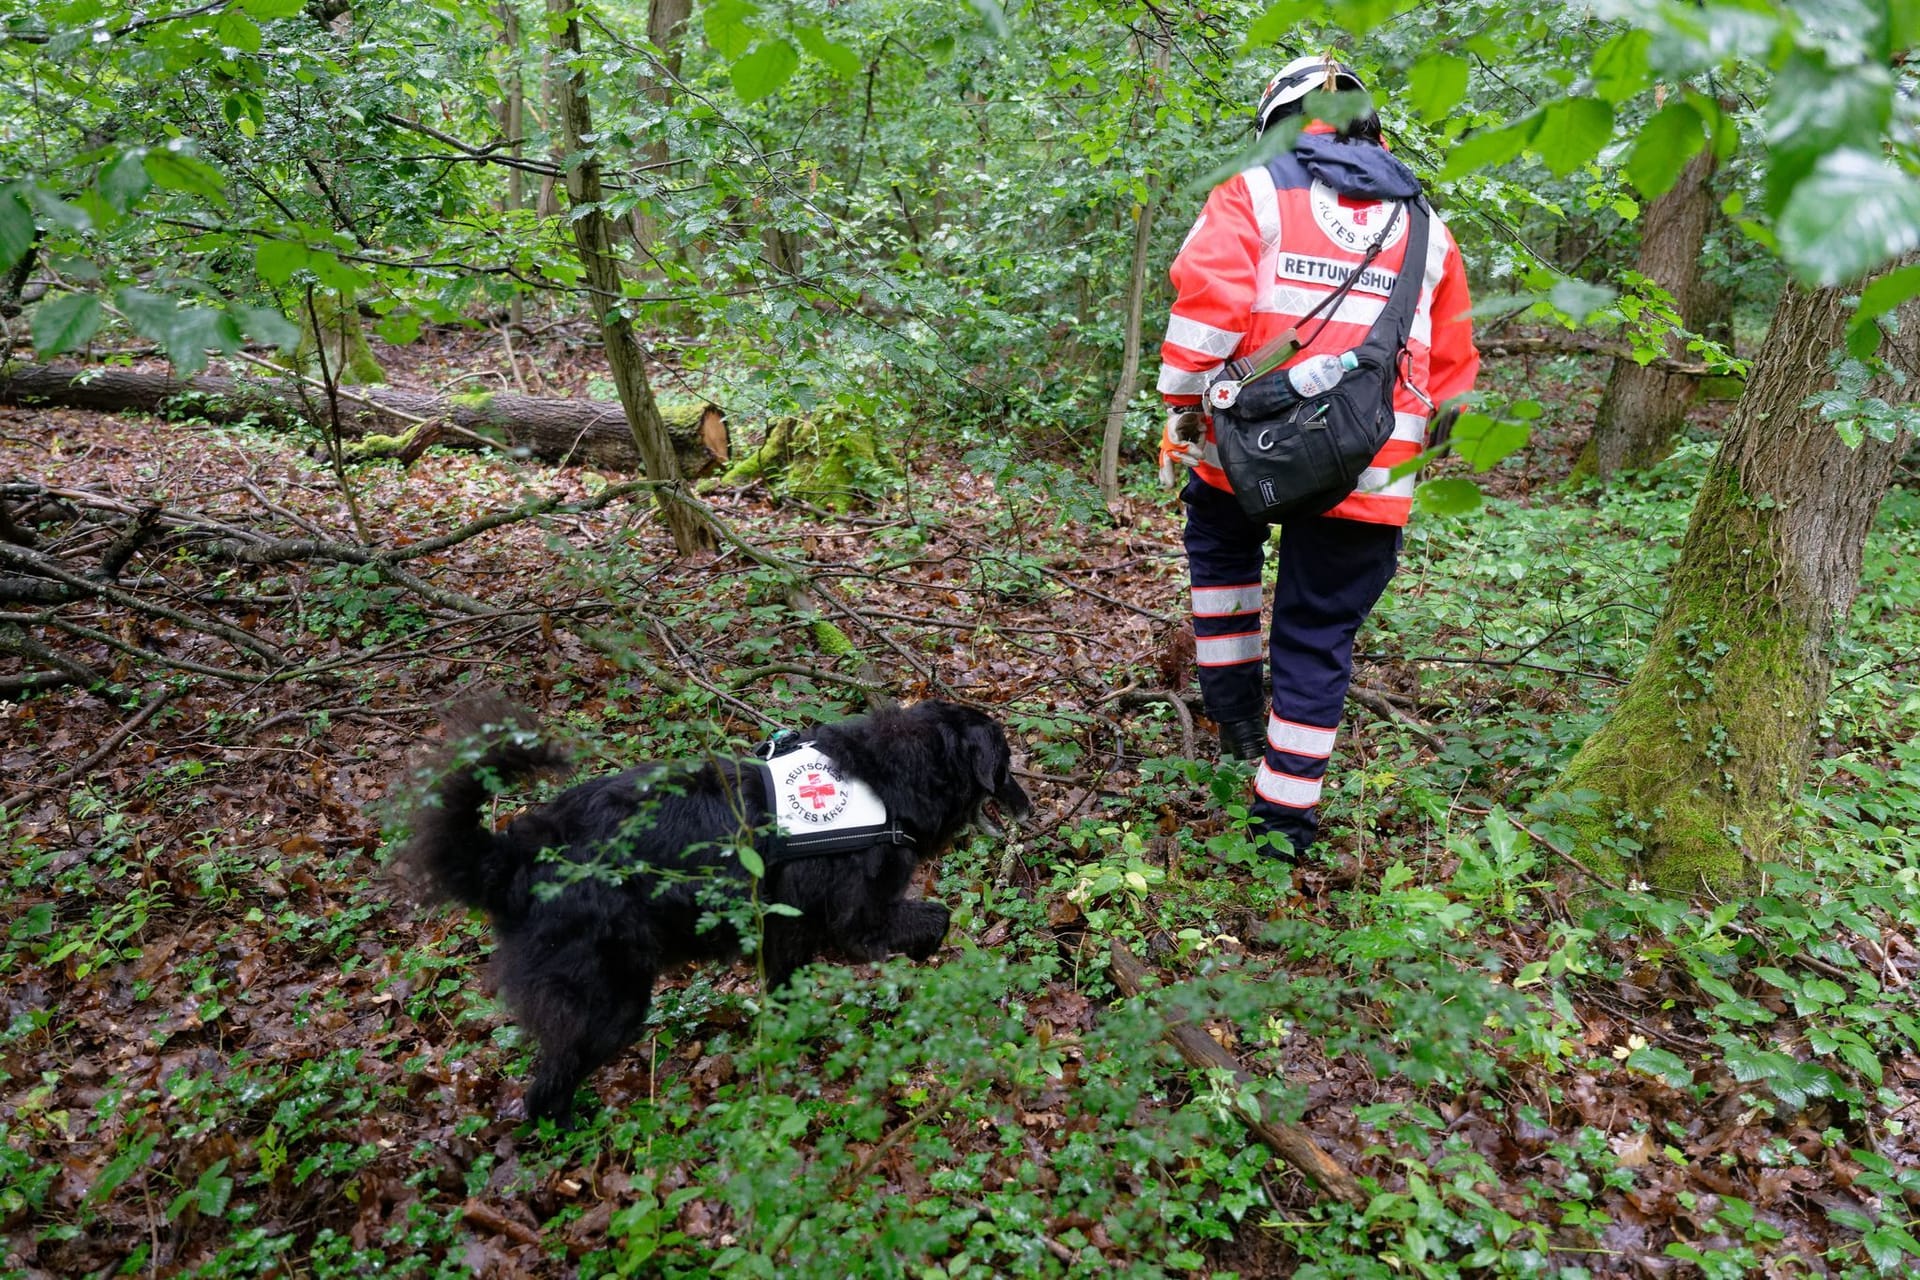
691	371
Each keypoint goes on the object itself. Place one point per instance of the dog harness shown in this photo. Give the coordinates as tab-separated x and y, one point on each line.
817	809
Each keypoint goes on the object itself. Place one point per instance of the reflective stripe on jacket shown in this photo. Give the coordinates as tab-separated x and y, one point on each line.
1270	245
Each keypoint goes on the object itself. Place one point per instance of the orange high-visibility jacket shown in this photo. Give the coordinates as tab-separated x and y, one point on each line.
1265	251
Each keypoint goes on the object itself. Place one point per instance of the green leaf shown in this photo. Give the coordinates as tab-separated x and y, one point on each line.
65	323
236	30
1571	132
1663	148
1889	291
1722	130
1814	110
400	328
726	26
61	213
841	60
1489	147
277	260
1861	1059
1484	441
769	66
265	325
16	228
173	167
750	858
1851	214
1436	84
1890	1247
1579	300
125	181
1620	69
1361	16
1662	1065
1450	497
270	9
185	332
1903	26
1883	295
1279	19
1502	836
993	15
35	922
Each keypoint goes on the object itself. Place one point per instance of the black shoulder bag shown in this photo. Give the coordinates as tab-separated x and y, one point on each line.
1287	457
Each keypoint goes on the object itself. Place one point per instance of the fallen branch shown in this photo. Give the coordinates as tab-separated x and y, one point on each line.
1290	1142
107	748
1378	703
487	1218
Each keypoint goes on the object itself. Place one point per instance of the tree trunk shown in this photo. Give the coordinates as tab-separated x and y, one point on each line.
666	19
513	124
332	332
593	237
1136	306
1644	408
590	432
1707	749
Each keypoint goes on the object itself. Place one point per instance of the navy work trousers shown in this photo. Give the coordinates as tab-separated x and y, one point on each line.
1329	576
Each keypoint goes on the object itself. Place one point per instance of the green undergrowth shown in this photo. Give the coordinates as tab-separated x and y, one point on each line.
1531	1074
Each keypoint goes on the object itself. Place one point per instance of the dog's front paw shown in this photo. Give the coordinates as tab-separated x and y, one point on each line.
920	928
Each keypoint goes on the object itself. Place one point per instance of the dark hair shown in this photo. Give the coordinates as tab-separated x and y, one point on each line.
1363	128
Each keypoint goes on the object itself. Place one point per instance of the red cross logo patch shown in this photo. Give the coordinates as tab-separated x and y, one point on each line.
812	794
818	790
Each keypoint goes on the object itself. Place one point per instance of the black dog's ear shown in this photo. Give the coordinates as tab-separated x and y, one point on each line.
986	752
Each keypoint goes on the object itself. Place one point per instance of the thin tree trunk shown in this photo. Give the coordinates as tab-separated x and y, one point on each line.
1136	306
1644	408
593	236
513	123
1701	760
666	19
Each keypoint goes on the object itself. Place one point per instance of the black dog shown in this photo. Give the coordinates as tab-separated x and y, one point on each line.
592	894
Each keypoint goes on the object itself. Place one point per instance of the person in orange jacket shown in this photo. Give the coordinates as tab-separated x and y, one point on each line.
1271	244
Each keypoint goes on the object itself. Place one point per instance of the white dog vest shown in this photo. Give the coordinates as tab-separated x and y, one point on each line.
817	809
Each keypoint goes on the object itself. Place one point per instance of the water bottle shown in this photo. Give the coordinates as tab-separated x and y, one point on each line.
1317	375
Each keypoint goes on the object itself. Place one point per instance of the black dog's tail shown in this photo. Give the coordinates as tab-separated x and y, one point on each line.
490	743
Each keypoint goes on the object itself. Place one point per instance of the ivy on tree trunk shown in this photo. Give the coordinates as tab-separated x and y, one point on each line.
1701	760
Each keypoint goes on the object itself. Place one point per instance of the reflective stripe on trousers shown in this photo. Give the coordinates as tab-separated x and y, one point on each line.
1330	573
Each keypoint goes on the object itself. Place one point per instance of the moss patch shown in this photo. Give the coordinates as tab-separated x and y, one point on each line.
1702	756
349	358
830	458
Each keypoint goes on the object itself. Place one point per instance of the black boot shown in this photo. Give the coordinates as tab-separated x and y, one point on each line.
1243	739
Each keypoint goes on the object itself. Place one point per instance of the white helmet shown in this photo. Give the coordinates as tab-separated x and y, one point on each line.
1289	88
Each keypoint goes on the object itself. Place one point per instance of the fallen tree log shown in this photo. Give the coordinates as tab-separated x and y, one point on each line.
591	432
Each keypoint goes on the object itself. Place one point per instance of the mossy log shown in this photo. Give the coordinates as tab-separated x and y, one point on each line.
591	432
831	459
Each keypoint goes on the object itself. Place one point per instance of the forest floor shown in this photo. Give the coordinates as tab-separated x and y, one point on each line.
228	1048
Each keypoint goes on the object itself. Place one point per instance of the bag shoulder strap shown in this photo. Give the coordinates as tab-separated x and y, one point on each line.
1402	301
1390	332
